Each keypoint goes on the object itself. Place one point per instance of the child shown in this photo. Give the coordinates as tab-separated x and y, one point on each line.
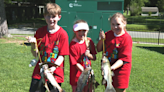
81	46
118	48
52	43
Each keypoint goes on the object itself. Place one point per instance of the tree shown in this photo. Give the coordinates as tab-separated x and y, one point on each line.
126	5
3	21
135	6
160	4
34	2
151	3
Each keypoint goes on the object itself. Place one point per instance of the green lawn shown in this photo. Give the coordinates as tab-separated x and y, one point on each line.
144	23
146	75
148	40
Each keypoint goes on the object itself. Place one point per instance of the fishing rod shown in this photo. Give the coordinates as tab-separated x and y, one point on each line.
44	69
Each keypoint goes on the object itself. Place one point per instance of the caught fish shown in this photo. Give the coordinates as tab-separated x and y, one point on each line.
51	79
107	75
82	81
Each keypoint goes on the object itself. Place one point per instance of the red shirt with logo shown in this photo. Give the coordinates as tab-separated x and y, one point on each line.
119	48
50	47
77	51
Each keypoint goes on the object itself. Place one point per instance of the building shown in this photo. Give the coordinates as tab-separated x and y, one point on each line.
150	11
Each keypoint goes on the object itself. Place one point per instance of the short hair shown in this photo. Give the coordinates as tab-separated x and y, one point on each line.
52	9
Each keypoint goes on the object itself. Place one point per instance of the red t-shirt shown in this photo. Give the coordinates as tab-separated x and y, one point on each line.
119	48
51	46
77	51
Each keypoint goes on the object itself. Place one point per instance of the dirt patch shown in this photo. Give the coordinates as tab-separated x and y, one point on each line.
15	41
6	40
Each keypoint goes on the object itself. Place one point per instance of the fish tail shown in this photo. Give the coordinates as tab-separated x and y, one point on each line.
110	90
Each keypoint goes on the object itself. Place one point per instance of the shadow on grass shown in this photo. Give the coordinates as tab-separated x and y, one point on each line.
157	49
26	43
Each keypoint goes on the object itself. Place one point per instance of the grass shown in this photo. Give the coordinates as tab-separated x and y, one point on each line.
144	23
146	74
144	28
148	40
147	69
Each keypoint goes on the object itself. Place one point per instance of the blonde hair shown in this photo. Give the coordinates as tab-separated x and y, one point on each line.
118	15
52	9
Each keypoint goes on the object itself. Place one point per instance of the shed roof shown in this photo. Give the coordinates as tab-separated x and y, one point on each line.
149	9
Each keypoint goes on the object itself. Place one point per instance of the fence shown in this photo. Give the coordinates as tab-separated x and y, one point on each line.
149	37
150	31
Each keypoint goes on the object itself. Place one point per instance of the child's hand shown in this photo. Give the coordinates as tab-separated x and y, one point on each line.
31	39
52	69
49	70
102	35
87	52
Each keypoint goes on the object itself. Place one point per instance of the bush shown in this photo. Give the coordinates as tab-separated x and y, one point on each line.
135	10
149	13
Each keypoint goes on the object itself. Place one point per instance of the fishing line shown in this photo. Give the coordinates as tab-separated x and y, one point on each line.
36	45
24	45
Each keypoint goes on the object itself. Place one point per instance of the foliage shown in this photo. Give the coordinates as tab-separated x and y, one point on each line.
36	2
135	6
149	13
160	4
126	4
40	2
142	23
135	9
151	3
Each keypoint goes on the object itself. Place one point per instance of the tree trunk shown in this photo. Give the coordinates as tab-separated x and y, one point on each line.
3	21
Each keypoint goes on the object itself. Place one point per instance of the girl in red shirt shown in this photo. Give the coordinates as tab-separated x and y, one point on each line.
118	48
80	47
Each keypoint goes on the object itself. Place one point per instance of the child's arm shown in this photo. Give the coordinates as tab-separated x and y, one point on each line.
89	55
34	50
100	43
79	67
117	64
33	42
59	60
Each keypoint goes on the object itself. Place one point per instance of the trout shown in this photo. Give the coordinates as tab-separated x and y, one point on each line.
107	74
82	81
51	79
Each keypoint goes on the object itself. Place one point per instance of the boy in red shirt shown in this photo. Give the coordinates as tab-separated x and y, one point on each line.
81	46
52	43
118	48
